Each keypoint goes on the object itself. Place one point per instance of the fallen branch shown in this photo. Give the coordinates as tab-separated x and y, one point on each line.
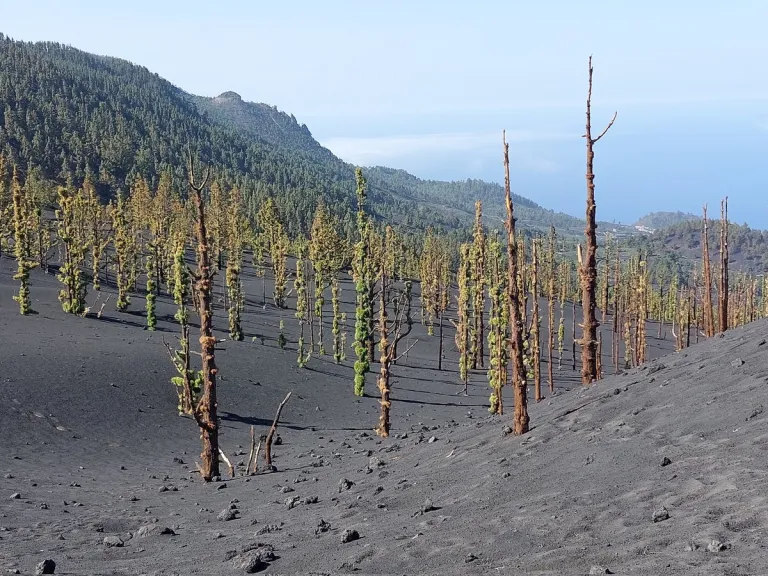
256	457
405	353
224	457
268	443
250	455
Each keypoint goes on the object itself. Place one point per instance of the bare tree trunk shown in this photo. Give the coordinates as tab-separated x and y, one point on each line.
588	269
521	419
535	323
573	335
440	349
270	436
723	295
206	412
709	323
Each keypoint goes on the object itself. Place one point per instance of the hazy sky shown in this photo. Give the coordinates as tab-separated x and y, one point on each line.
428	85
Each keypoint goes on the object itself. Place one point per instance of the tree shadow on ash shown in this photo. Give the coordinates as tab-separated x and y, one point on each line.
254	421
142	325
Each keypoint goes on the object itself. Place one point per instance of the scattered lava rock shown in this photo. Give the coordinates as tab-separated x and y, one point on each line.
599	570
665	462
716	546
46	567
113	542
737	363
154	530
349	535
227	515
322	527
345	485
755	413
660	515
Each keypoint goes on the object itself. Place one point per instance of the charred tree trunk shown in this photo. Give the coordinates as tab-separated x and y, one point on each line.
588	269
536	322
709	323
723	295
206	411
521	419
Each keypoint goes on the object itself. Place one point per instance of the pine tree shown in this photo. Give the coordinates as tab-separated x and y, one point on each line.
498	320
124	243
276	242
300	285
71	217
96	229
189	382
478	289
463	307
551	274
588	267
327	251
151	270
392	327
21	244
235	237
363	266
521	419
723	287
205	412
536	321
338	346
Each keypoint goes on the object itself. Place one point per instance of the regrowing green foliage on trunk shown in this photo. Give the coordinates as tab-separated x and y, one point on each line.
276	242
281	340
124	243
188	379
300	285
364	275
338	346
151	269
499	325
70	216
328	253
22	249
463	327
236	230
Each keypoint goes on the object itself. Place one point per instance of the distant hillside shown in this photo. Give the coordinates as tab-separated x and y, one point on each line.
656	220
680	245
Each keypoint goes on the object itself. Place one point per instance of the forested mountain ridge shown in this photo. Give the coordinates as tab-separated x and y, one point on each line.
65	112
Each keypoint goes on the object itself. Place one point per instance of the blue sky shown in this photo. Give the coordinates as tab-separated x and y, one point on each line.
428	86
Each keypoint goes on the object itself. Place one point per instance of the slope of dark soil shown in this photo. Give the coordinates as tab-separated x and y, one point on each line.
93	448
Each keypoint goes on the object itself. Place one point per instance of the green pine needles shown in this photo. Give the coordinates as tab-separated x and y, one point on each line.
499	325
22	250
72	295
300	285
123	243
362	266
151	269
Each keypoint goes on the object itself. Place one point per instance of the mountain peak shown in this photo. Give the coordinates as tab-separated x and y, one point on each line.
229	96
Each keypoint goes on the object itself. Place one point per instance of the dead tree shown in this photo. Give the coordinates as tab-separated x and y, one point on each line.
536	321
271	435
709	322
391	332
588	268
205	412
521	419
723	292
